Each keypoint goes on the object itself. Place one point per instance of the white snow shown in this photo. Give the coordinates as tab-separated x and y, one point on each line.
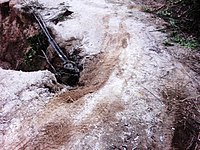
22	94
128	104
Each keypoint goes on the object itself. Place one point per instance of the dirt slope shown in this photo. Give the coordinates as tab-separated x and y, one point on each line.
120	104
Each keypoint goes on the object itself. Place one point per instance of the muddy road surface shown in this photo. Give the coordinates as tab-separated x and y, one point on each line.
121	101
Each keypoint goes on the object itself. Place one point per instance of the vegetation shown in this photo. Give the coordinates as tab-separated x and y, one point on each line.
37	43
183	17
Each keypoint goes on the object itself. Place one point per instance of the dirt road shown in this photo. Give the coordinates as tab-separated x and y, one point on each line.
120	104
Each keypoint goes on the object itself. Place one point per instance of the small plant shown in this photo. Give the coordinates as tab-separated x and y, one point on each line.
164	13
173	23
36	43
30	56
185	42
183	17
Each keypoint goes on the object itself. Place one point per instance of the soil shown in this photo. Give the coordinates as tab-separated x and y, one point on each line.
16	27
133	92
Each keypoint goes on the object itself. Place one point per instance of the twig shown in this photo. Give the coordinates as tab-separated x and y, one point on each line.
191	142
163	29
49	62
159	8
151	93
196	97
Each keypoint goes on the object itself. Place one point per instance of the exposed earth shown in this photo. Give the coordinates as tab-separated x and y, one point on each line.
132	93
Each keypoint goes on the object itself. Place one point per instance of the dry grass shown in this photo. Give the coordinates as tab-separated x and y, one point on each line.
192	60
186	113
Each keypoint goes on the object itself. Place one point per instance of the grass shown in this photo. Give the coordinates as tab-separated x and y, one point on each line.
183	41
180	27
176	35
186	42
